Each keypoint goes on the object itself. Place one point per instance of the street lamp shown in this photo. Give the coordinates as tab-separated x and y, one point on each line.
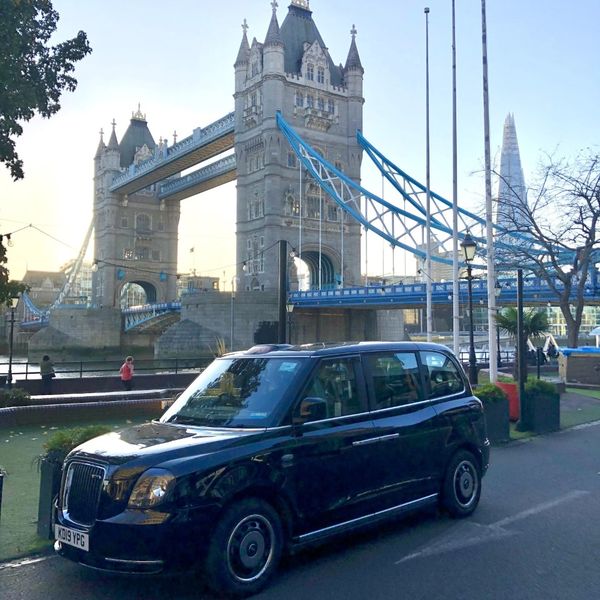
497	292
289	307
469	247
13	303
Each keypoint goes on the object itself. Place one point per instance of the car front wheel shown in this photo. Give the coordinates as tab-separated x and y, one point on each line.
245	548
462	485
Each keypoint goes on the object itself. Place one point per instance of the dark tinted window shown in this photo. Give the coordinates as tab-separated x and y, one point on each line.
334	381
442	373
395	379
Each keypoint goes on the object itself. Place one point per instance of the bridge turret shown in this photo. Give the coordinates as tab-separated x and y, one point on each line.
241	62
353	78
273	51
112	154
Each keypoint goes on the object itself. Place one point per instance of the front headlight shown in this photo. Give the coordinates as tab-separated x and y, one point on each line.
152	488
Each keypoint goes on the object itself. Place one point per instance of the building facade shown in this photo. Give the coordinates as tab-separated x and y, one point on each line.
293	72
135	236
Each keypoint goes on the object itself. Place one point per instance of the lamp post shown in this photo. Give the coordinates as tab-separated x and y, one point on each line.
497	292
234	281
289	307
13	303
469	247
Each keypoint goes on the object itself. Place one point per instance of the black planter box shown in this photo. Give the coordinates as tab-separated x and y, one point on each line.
50	473
544	413
496	418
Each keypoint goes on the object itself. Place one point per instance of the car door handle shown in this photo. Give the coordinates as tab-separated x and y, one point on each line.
287	460
376	440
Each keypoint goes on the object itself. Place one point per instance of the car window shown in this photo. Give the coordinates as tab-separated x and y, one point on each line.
334	381
236	392
395	379
442	374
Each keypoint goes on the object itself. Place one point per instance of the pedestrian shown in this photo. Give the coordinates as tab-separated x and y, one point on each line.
47	373
126	372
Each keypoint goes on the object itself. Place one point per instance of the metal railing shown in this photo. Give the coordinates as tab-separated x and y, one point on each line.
99	368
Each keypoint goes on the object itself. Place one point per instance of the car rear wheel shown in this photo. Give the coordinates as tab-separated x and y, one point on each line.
462	485
245	548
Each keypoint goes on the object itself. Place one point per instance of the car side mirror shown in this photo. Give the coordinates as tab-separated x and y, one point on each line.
311	409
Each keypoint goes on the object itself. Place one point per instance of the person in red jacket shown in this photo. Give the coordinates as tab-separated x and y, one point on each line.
126	372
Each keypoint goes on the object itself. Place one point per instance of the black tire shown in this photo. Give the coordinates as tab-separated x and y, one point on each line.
462	485
244	549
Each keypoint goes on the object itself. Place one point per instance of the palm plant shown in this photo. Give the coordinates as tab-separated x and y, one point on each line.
535	322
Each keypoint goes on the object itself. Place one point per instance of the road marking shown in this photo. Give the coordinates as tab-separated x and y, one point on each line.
477	533
24	563
539	508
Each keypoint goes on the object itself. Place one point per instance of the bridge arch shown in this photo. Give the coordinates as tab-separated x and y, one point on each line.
330	267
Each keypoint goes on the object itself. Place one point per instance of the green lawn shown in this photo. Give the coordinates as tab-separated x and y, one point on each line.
19	447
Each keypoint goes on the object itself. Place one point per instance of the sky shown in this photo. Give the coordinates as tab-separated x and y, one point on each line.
176	60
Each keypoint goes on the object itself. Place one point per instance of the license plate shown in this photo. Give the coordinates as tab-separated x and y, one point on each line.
78	539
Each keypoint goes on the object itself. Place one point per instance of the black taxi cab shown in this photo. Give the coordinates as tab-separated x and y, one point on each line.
272	449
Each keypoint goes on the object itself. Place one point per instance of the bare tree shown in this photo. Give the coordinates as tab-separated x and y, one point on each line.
553	232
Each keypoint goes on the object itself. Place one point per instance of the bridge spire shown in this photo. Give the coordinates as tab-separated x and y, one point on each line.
101	144
273	35
113	144
353	61
244	51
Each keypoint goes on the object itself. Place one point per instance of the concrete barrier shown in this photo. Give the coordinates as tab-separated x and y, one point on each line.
86	409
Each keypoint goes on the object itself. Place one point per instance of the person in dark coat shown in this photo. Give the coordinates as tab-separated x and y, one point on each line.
47	373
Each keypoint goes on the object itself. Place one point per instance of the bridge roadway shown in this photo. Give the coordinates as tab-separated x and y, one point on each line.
204	144
535	292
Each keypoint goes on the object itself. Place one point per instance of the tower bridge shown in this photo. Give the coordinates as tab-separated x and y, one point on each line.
293	143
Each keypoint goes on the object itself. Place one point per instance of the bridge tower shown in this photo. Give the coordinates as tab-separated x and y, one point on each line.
293	72
135	236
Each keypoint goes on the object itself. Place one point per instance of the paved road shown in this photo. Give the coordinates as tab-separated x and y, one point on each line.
536	535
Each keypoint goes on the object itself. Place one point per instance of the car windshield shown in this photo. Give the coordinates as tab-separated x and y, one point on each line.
235	392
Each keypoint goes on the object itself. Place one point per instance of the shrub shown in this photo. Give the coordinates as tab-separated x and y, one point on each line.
14	397
62	442
490	393
538	388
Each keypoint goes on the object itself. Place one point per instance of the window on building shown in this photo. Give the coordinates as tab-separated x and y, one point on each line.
254	69
124	222
320	104
312	207
310	101
291	160
320	75
330	106
310	72
143	222
156	255
332	212
161	225
299	99
253	99
128	254
142	253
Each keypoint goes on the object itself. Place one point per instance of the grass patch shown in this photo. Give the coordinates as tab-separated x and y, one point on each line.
585	392
585	414
19	447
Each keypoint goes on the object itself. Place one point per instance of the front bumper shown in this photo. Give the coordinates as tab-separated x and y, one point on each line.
142	542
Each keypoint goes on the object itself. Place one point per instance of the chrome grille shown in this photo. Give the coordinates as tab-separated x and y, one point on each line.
83	484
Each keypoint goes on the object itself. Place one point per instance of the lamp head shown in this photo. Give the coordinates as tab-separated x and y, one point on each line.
469	247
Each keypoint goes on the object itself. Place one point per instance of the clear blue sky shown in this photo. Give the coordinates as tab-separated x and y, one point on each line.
176	59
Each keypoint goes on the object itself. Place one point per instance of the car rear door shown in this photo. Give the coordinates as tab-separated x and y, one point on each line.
404	465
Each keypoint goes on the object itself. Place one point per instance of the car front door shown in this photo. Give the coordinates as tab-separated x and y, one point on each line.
328	466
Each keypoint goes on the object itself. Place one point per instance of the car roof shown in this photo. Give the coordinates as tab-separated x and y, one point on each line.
334	348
